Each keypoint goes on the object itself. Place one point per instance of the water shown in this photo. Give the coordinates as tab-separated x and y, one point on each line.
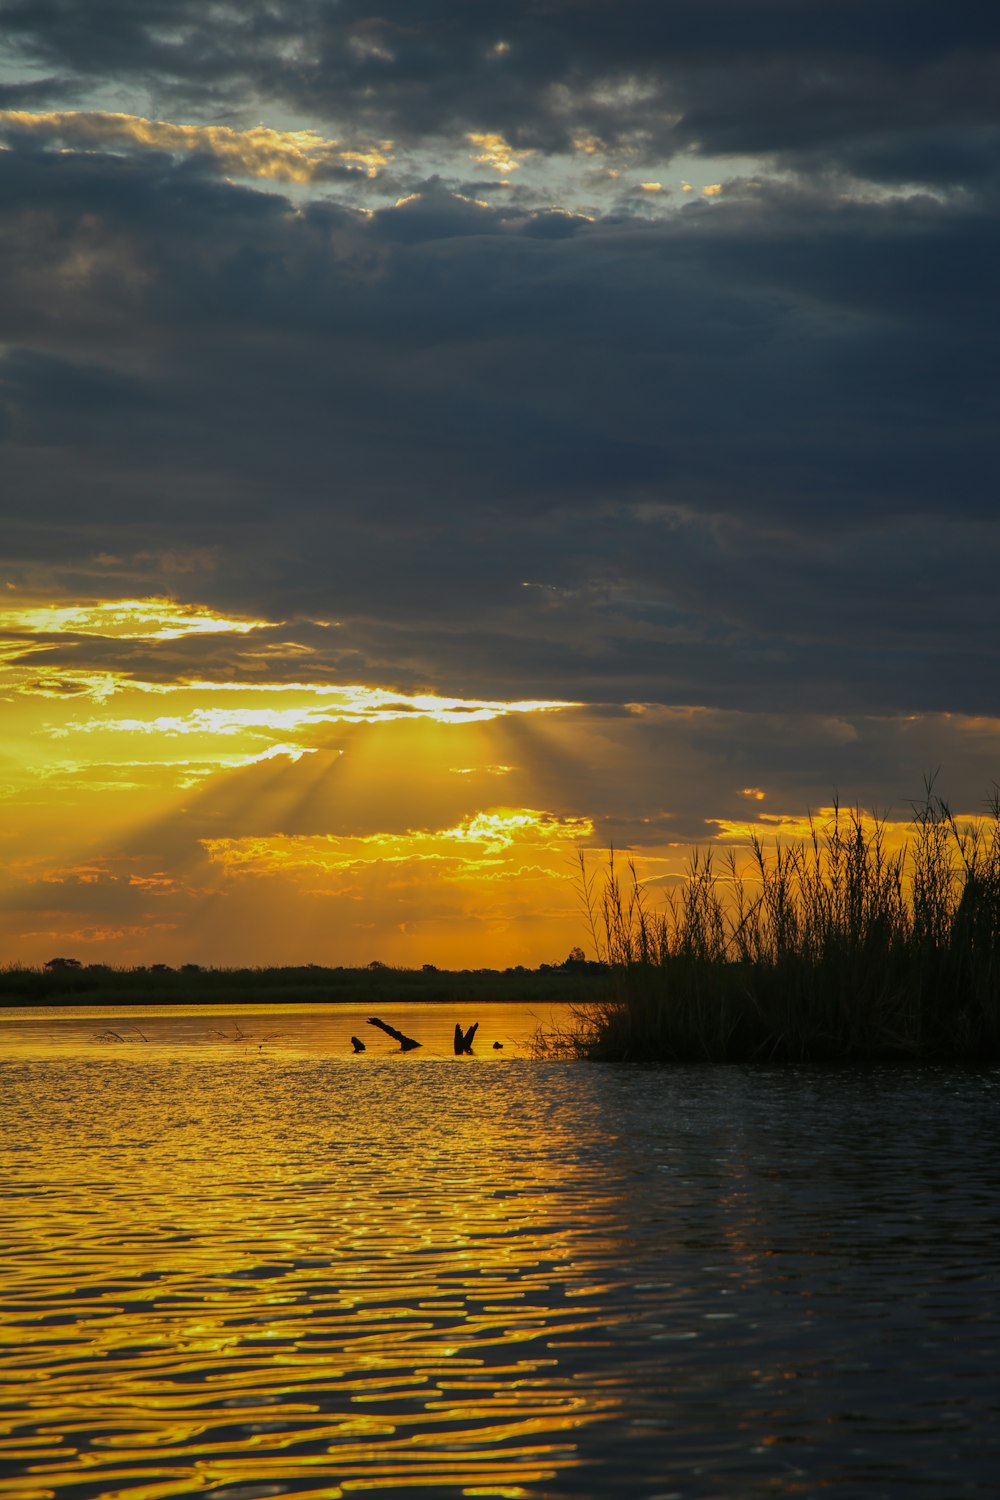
239	1261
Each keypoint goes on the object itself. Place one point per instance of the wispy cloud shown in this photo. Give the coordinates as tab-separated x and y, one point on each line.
124	619
299	156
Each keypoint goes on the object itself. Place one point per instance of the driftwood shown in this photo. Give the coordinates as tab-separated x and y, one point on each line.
463	1039
406	1043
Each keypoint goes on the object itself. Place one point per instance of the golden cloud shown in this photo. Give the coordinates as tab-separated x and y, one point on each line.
791	828
289	155
125	619
341	705
496	152
495	832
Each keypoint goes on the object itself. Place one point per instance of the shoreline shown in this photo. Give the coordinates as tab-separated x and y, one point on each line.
579	983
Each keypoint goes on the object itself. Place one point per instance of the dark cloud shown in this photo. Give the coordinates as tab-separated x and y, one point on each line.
706	458
724	451
806	78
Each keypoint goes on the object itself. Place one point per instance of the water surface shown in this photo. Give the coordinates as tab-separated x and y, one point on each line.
239	1261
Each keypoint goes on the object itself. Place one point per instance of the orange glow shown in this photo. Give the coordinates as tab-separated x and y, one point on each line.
493	833
181	783
194	806
787	829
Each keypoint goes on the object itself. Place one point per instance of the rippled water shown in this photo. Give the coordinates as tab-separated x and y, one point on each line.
239	1261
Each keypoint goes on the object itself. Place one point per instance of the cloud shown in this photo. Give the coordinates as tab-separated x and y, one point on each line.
492	150
482	840
122	619
683	434
805	82
297	156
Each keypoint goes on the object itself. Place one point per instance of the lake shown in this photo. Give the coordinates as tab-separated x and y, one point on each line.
240	1261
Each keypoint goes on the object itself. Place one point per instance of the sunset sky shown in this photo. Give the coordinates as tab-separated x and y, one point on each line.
439	436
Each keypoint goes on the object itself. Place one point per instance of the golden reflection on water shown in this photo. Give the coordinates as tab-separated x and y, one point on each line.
238	1261
250	1277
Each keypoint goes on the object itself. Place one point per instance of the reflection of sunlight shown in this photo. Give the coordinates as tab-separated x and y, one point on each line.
256	1301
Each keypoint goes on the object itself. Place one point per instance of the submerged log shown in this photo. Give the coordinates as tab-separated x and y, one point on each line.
406	1043
463	1039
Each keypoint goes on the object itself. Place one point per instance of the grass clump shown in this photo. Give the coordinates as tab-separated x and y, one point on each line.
837	948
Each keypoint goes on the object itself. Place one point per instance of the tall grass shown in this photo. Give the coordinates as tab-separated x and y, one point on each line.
838	947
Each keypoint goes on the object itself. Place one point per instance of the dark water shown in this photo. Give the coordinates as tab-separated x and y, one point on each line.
238	1261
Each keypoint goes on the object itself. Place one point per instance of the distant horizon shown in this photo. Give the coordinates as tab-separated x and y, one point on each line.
68	965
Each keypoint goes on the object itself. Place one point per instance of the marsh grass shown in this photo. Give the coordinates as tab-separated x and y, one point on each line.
835	948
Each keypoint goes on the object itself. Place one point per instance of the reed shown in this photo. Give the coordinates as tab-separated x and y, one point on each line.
832	949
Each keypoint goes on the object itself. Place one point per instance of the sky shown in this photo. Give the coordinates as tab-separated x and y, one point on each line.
439	437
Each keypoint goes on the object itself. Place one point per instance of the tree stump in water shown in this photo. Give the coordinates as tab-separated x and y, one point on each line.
463	1039
406	1043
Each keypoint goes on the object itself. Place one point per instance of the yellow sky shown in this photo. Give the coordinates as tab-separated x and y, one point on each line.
181	784
176	817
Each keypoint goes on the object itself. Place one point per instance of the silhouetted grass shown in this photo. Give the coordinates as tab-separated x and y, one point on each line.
833	949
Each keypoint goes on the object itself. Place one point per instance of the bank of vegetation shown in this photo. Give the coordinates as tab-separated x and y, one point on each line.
67	981
839	948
